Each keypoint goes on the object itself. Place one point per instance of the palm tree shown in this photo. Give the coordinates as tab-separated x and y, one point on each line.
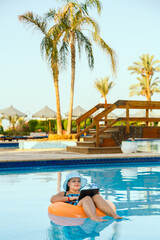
141	88
73	19
103	86
146	67
50	51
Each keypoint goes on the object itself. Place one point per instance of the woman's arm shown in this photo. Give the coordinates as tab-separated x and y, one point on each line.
59	197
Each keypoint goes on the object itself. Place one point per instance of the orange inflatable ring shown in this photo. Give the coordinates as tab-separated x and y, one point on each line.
67	210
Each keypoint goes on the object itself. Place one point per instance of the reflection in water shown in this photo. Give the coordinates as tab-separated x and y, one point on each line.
59	176
149	146
89	229
66	221
135	191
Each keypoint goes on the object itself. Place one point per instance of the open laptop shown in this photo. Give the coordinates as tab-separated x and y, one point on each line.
88	192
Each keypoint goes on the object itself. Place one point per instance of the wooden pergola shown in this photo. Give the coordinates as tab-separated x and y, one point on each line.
108	108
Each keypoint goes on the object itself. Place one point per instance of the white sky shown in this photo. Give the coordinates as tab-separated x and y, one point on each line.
131	28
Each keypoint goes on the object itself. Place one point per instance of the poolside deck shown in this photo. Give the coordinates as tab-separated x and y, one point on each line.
61	154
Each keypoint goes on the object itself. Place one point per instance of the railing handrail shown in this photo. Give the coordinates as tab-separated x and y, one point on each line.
142	119
90	112
118	104
109	109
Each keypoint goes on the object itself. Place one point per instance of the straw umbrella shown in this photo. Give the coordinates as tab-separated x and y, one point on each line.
123	114
46	113
77	112
142	113
12	113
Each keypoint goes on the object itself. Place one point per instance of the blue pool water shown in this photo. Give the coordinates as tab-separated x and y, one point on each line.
149	145
37	144
24	199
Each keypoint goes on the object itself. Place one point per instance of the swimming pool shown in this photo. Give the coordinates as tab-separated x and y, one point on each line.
149	145
28	144
45	144
135	191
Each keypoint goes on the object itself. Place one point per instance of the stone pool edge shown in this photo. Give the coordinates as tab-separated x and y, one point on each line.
12	160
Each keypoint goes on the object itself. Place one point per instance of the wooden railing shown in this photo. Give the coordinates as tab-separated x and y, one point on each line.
108	108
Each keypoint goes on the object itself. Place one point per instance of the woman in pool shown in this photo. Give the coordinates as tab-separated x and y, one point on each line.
72	186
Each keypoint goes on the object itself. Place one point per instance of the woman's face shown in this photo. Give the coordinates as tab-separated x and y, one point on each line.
74	183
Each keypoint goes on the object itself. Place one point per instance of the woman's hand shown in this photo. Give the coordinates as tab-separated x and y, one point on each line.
73	198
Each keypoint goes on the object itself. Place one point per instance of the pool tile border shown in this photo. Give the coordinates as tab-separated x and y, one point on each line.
65	163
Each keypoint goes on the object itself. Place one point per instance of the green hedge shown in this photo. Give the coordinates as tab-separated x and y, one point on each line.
32	125
1	129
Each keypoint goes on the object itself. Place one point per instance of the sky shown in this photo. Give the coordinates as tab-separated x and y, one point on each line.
131	28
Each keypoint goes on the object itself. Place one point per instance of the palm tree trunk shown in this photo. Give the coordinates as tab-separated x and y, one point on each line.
59	124
73	57
105	105
56	85
148	88
105	100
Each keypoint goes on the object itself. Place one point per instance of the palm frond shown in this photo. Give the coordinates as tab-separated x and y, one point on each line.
50	15
145	67
134	69
36	21
94	3
89	21
135	89
63	54
103	85
83	40
106	49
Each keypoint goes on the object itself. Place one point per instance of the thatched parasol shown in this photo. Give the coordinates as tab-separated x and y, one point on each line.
46	113
11	113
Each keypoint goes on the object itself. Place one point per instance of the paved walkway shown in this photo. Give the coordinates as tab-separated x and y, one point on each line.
62	154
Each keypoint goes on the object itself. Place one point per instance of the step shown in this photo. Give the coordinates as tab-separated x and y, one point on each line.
91	139
106	134
86	144
111	129
94	150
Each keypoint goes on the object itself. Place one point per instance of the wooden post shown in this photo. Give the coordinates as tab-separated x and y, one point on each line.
105	123
78	130
127	119
97	134
106	120
46	125
49	125
147	114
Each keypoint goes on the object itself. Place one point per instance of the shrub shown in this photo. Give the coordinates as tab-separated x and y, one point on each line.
54	128
88	122
74	124
42	123
32	125
40	128
82	125
65	123
1	129
53	123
